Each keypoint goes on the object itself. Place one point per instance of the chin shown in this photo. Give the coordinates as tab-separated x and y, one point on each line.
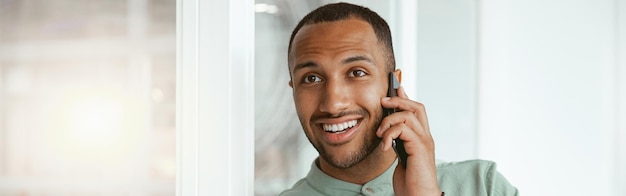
349	159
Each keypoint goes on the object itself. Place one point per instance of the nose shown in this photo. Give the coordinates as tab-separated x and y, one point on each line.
336	98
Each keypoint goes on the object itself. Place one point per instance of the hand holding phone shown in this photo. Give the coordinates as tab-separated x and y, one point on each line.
392	91
423	170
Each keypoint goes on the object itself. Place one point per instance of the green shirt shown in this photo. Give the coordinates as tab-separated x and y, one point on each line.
467	178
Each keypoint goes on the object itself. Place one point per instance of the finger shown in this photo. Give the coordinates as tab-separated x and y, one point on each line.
413	143
404	119
399	131
408	105
401	103
402	93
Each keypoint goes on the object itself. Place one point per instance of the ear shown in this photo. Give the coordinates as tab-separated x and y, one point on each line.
398	74
290	84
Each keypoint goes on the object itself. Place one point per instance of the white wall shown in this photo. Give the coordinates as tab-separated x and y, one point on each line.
537	86
547	94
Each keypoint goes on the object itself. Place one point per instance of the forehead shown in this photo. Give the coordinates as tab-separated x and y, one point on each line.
351	28
331	38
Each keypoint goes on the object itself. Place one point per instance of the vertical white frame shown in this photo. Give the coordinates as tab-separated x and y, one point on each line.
214	97
404	30
620	159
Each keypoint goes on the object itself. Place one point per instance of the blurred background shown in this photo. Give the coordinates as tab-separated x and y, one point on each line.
537	86
87	97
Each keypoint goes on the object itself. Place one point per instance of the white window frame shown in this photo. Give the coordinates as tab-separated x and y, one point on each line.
214	97
620	132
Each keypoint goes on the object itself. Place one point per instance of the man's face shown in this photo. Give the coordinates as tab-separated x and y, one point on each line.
338	79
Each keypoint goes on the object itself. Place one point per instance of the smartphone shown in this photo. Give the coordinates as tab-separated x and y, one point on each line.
398	145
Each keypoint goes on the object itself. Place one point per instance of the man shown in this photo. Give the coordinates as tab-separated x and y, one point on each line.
339	59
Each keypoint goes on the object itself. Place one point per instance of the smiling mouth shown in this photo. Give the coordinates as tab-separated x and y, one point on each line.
339	127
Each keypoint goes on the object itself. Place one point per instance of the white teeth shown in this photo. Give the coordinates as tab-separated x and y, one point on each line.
339	127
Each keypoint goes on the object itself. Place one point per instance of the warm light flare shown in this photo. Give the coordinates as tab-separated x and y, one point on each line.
98	124
96	121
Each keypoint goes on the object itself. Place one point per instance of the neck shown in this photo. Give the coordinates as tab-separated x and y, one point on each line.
369	168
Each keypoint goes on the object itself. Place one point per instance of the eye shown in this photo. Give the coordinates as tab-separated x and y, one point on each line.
311	79
357	73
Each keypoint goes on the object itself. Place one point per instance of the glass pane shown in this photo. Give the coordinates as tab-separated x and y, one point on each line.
279	140
87	97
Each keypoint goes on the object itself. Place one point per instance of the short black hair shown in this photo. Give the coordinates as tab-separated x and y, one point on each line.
341	11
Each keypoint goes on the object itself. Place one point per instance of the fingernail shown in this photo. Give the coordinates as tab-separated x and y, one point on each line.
386	98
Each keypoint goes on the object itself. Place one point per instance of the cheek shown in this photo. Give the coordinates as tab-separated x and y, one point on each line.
305	104
370	95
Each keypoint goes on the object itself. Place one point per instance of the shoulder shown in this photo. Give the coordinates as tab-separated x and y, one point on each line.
474	177
469	166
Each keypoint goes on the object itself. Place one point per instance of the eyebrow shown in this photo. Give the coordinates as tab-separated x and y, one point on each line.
304	65
357	58
345	61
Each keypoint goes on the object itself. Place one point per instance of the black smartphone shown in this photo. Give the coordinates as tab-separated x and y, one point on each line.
392	91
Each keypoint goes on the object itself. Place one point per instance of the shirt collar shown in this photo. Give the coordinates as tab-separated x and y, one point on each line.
328	185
